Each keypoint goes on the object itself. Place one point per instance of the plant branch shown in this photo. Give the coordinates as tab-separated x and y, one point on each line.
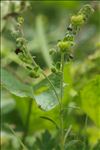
61	98
52	86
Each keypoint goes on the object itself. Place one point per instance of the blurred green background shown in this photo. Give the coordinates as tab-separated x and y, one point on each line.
45	23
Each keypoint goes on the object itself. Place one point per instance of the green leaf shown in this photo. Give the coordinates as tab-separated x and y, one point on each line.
44	94
51	120
14	86
46	142
90	96
7	106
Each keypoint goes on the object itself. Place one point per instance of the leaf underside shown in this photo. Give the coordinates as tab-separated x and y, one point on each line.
41	92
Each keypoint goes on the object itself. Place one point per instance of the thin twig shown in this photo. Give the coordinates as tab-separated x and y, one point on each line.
52	86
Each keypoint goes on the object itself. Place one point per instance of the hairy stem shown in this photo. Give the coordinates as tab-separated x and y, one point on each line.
61	104
27	120
52	87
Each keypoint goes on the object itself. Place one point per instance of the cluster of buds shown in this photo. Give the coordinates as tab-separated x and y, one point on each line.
21	43
56	67
22	51
65	46
80	18
34	71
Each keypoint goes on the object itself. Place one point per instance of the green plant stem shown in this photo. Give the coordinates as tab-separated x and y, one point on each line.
52	86
61	104
27	120
34	63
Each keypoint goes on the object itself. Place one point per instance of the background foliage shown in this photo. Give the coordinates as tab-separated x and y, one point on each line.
45	23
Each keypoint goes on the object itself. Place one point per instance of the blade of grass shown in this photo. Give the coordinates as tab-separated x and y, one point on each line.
67	133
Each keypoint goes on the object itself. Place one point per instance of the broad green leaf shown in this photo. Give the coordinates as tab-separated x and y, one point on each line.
44	94
22	104
93	134
14	86
90	96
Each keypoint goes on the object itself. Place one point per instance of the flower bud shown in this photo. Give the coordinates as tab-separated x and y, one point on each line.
69	37
52	51
65	45
20	20
22	57
58	65
33	74
77	20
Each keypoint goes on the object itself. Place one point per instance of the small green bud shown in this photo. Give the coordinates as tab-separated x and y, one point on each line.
33	74
20	20
52	51
58	65
77	20
69	37
20	39
65	45
37	68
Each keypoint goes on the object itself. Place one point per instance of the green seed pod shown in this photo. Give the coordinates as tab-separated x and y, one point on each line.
77	20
